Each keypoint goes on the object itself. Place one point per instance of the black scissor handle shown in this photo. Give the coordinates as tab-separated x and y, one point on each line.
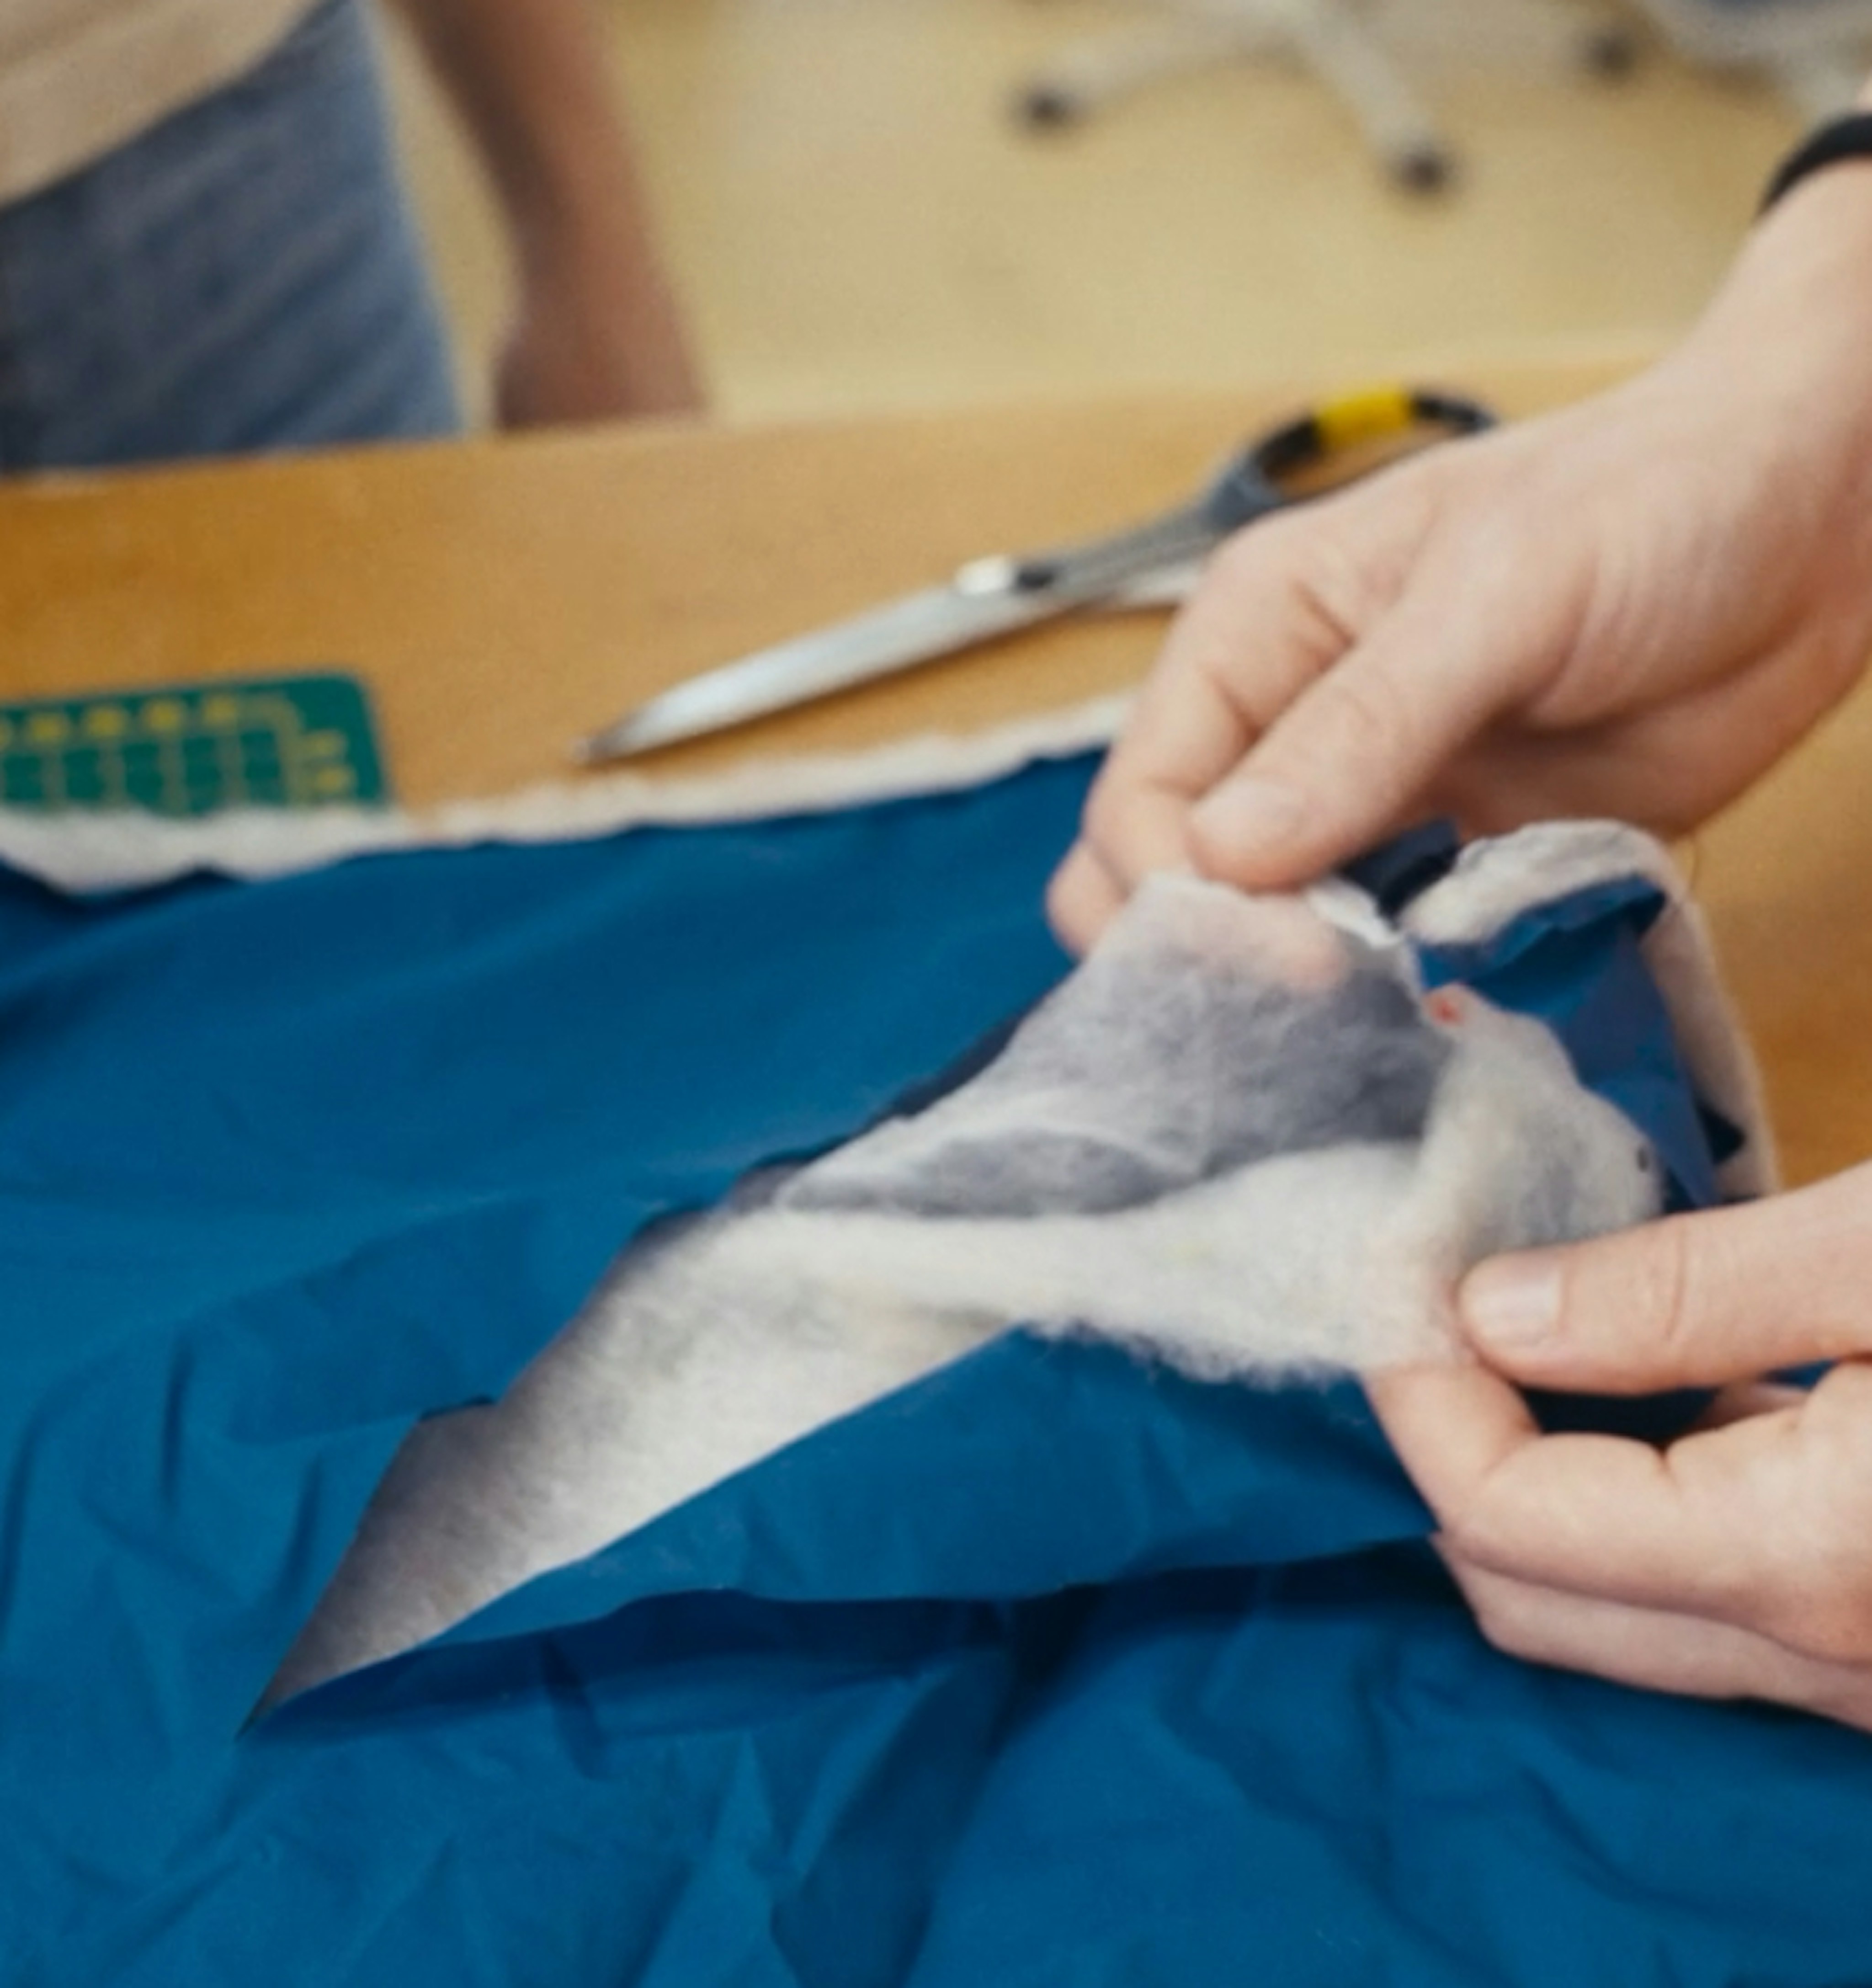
1252	484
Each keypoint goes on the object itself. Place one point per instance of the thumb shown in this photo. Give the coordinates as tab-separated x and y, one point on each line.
1693	1301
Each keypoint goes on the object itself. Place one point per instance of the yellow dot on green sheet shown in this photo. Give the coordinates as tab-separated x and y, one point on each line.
333	780
164	713
326	744
48	728
220	711
105	720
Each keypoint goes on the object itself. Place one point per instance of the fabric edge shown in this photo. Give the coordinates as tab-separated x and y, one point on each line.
125	849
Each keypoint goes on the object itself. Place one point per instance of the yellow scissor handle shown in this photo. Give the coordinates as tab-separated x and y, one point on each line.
1368	415
1372	414
1256	482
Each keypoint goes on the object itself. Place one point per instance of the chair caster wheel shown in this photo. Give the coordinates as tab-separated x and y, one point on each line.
1046	107
1424	169
1611	54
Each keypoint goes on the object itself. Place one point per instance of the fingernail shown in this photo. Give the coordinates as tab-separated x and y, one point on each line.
1514	1303
1248	813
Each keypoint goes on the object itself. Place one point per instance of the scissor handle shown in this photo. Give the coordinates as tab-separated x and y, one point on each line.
1251	485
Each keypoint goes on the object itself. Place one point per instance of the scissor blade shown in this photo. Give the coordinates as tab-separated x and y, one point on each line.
908	632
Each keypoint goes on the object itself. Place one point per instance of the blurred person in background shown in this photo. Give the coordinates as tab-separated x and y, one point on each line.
205	247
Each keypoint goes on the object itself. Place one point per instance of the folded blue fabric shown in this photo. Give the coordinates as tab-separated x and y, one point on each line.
1054	1668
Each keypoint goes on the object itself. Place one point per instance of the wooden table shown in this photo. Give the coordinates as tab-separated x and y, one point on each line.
501	596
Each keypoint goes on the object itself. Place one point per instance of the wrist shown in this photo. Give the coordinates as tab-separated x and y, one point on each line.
1771	396
1794	320
1775	382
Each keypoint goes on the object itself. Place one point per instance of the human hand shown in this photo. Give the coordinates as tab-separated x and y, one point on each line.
1735	1563
597	333
595	337
1632	608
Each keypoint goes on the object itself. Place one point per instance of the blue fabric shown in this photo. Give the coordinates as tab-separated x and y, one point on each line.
1406	867
1578	965
1054	1667
245	275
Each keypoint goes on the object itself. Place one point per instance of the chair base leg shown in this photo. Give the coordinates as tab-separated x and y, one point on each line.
1322	35
1337	41
1103	69
1819	84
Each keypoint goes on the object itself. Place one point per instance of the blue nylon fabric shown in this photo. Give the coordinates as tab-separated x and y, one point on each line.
1577	965
1053	1668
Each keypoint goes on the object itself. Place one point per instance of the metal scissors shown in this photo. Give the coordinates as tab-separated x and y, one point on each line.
995	595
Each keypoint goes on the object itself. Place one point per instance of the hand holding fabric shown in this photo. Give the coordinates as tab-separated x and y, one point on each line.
1735	1563
1629	608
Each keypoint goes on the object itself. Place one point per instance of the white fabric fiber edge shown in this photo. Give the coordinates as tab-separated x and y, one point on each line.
1492	880
129	849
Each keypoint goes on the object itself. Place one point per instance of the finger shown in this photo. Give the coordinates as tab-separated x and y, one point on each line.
1743	1399
1227	667
1082	899
1655	1649
1697	1299
1763	1523
1278	605
1597	1515
1358	749
1184	731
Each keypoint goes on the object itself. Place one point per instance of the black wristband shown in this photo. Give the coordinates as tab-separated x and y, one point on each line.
1848	137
